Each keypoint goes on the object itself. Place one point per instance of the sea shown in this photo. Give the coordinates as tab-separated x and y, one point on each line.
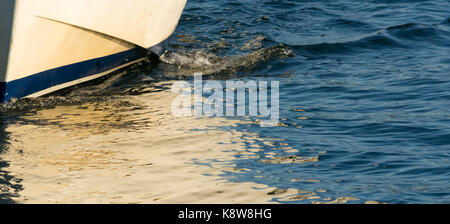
364	113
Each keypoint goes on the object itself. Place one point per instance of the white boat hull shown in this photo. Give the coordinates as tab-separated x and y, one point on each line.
46	45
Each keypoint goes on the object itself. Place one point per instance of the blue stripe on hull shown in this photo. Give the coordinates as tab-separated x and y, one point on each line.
35	83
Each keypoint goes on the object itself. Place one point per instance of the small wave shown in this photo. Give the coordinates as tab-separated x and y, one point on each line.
373	41
348	23
391	37
430	34
402	26
183	64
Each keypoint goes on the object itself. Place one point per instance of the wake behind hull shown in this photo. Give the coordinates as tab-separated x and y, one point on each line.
49	50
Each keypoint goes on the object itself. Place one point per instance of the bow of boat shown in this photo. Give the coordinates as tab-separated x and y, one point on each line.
46	45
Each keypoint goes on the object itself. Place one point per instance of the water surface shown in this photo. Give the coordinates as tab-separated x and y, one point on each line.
364	105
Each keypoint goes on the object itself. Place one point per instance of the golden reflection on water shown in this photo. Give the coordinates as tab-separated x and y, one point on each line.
131	150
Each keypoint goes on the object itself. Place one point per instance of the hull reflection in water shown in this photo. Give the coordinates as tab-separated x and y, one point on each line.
117	152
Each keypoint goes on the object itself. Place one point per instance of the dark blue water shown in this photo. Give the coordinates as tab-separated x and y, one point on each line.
372	78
